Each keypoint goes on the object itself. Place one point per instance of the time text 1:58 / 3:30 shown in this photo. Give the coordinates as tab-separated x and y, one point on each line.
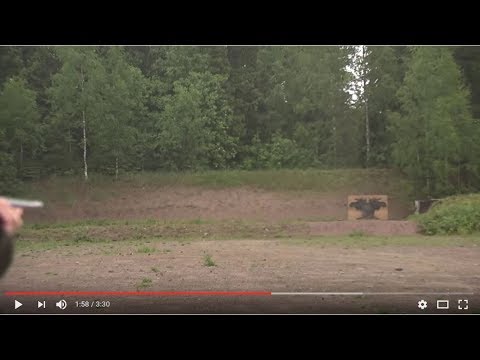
92	304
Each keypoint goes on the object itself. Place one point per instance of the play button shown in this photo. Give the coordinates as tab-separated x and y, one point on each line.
17	304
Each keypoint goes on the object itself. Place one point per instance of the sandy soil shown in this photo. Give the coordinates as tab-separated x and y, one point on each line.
194	203
269	264
248	265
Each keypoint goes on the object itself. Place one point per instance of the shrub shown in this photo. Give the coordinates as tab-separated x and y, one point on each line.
452	215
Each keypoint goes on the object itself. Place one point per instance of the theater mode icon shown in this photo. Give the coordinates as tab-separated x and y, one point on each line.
443	304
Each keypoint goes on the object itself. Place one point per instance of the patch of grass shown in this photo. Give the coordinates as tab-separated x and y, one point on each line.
155	269
208	261
146	282
83	238
146	250
296	179
368	241
100	187
86	223
142	235
35	249
38	245
357	233
452	215
198	221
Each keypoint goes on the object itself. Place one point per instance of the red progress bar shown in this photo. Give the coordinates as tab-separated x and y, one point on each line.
138	293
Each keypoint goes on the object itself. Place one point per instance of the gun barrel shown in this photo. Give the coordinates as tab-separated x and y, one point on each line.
22	203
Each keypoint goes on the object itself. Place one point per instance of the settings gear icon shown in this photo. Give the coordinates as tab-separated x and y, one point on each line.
422	304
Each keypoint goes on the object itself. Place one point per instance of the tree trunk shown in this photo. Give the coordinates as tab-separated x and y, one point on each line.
458	177
84	121
417	181
365	96
427	157
69	141
334	143
428	185
21	156
428	182
116	167
446	171
367	134
85	166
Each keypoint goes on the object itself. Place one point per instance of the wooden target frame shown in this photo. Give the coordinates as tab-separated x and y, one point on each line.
367	207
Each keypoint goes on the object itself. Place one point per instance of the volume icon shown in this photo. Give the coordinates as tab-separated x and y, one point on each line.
62	304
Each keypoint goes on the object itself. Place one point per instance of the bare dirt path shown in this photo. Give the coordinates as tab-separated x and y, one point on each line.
250	265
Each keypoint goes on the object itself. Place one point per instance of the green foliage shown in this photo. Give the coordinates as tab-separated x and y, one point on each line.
77	100
40	65
279	153
8	172
19	121
383	76
198	108
452	215
431	141
193	129
11	62
468	58
310	90
118	129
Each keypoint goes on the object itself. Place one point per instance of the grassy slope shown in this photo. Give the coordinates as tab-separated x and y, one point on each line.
326	181
144	232
67	189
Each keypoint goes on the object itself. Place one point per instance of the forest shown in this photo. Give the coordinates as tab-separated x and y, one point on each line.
81	110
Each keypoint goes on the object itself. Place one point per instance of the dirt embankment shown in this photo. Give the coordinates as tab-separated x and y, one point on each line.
367	227
196	203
